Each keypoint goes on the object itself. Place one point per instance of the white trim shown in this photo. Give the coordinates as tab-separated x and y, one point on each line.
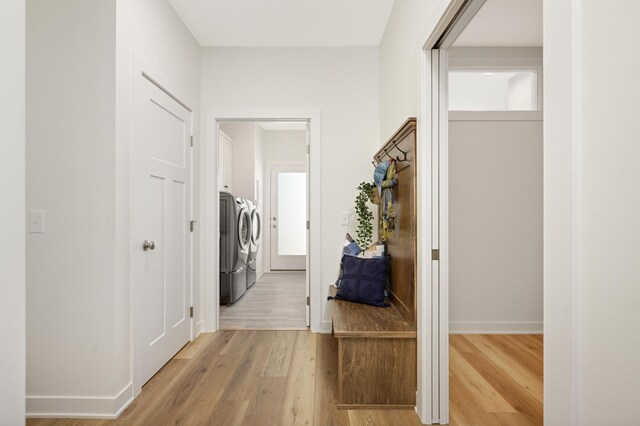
209	244
495	116
433	313
472	327
80	406
562	201
326	327
423	273
442	225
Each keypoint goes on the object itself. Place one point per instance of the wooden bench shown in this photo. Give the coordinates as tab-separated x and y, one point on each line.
377	347
376	356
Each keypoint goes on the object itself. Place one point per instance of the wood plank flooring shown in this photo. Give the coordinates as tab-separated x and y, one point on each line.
290	378
256	378
277	301
495	379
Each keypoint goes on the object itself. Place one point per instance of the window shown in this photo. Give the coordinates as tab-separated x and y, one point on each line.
493	90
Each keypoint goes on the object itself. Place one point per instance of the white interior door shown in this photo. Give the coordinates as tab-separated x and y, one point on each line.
288	221
161	246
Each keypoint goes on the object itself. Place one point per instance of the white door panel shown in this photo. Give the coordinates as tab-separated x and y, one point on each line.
288	218
161	213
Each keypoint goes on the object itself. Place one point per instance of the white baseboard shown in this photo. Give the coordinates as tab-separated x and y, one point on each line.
495	327
326	327
80	407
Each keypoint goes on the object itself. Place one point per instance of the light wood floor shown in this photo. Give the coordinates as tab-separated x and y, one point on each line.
290	378
257	378
277	301
495	379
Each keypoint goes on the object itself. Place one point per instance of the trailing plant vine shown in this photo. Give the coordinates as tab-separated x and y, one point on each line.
365	215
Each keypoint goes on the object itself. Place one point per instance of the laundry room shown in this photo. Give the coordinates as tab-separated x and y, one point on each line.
263	184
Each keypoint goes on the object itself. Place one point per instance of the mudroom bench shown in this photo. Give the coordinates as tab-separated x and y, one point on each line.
376	356
377	346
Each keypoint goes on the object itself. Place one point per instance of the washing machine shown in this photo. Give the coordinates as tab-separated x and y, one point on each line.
254	244
235	239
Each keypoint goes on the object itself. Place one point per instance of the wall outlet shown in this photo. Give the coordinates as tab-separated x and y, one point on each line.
344	218
36	221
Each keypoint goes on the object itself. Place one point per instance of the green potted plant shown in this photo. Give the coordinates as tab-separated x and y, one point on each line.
364	232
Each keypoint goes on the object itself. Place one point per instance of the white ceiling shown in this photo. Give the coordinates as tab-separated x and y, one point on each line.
285	23
505	23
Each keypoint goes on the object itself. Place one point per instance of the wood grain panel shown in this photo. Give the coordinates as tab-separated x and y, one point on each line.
383	418
279	359
355	320
483	366
266	402
402	245
528	379
326	391
377	371
277	301
297	406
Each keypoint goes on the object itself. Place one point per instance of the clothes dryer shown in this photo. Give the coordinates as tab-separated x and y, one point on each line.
235	238
254	244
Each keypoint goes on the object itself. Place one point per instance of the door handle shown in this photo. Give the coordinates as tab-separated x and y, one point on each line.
148	245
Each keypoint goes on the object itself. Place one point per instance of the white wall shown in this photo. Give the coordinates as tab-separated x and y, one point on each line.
79	66
12	219
592	330
71	176
495	223
610	215
400	62
286	146
341	82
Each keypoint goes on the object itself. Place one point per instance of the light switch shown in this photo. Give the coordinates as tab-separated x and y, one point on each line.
344	218
36	221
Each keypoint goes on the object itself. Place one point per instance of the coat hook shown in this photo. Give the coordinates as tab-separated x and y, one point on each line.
404	154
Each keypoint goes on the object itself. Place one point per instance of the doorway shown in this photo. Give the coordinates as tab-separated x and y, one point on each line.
263	274
477	159
310	121
161	215
287	217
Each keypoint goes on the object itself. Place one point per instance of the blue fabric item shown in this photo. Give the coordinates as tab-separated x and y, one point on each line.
352	249
380	173
364	280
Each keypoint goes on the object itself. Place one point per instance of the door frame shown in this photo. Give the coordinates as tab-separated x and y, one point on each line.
267	196
141	68
209	210
450	19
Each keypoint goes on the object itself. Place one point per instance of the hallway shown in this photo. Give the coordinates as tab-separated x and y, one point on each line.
275	302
